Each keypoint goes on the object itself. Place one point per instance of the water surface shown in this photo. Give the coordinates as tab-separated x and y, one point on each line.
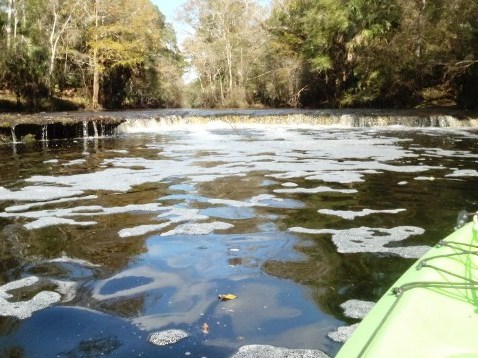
139	233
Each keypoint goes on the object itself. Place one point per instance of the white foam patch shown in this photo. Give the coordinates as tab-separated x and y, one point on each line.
290	185
459	173
364	239
341	177
265	351
74	162
53	221
119	151
26	207
178	214
198	228
357	309
256	201
351	215
343	333
38	193
167	337
44	218
51	161
423	178
25	309
319	189
142	230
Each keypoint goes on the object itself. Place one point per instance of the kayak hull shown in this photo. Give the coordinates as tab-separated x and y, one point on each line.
432	309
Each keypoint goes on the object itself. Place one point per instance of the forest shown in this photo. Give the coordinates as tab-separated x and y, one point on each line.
101	54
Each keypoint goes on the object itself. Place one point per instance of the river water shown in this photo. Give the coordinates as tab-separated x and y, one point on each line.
105	241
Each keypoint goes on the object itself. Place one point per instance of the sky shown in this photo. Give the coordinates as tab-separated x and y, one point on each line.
170	9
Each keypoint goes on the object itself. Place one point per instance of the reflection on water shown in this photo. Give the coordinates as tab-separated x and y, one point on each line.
140	233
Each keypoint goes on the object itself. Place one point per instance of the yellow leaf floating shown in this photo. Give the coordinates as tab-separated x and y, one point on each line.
227	297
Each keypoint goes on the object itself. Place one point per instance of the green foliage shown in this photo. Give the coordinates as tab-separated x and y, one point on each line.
62	47
304	53
25	74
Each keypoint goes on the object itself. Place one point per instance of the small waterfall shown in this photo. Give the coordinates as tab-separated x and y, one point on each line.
14	137
44	133
95	129
331	118
85	129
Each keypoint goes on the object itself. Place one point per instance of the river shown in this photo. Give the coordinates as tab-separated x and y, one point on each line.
105	241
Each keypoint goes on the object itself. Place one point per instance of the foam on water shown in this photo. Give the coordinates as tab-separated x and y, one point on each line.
198	228
343	333
142	229
460	173
356	308
266	351
319	189
25	309
26	207
351	215
54	221
164	338
365	239
38	193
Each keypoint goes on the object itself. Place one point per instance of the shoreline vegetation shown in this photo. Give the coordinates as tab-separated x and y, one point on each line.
67	55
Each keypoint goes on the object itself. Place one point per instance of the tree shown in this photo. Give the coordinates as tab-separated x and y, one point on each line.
225	48
124	36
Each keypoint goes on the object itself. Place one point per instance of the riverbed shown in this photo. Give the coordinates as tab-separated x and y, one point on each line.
108	240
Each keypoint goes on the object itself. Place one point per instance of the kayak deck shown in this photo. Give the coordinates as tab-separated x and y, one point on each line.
431	311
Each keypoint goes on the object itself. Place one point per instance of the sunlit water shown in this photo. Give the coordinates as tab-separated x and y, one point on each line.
105	242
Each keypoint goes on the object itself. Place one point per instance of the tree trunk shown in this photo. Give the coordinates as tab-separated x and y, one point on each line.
8	28
96	74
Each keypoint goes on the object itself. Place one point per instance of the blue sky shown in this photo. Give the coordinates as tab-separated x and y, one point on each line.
169	7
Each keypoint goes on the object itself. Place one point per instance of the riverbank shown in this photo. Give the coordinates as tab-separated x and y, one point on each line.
59	125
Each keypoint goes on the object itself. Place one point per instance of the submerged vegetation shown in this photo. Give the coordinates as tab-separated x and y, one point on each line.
64	54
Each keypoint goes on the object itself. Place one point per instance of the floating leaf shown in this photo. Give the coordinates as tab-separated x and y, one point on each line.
205	328
227	297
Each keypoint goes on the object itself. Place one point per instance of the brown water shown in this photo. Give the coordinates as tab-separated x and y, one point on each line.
141	232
